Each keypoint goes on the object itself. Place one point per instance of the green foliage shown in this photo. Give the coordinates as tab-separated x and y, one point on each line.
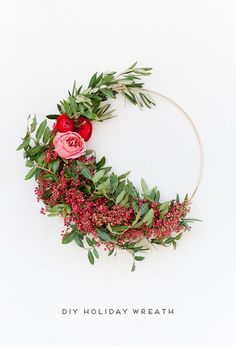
58	210
79	240
84	170
40	130
149	217
144	187
90	257
168	241
91	101
34	149
103	234
52	116
98	175
31	173
120	197
68	237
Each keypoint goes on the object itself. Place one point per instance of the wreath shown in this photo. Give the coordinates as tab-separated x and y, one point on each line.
99	208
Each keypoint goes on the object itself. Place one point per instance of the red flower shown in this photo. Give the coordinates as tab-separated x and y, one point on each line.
64	124
85	128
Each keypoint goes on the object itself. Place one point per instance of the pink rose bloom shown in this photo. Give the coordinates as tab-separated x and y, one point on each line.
69	145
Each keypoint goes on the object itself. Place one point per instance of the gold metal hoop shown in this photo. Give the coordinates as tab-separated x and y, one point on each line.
200	146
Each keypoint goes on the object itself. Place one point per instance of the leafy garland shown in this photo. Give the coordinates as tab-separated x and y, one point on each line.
98	206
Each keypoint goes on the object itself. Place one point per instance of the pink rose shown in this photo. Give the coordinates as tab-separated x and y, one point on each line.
69	145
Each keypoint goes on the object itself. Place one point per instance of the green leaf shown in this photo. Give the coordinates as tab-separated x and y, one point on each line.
55	165
149	217
117	229
89	242
125	201
50	177
29	163
68	237
98	175
91	115
67	108
113	182
37	173
91	257
164	208
111	252
78	240
164	205
92	82
74	91
163	212
34	150
103	235
120	197
153	194
156	241
73	104
185	224
135	206
47	193
144	209
133	246
191	220
78	232
89	152
137	218
178	237
31	173
103	186
99	78
33	124
157	198
40	131
39	157
132	66
139	258
24	144
130	189
84	171
186	197
145	100
120	187
56	208
121	177
168	241
46	135
108	92
130	98
177	198
52	116
107	79
95	252
144	187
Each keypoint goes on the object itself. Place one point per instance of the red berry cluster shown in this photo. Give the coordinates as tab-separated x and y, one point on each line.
88	215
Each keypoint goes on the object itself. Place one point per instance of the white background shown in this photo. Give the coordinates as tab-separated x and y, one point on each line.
45	45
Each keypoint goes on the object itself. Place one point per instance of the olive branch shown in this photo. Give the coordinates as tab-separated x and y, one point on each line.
92	101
